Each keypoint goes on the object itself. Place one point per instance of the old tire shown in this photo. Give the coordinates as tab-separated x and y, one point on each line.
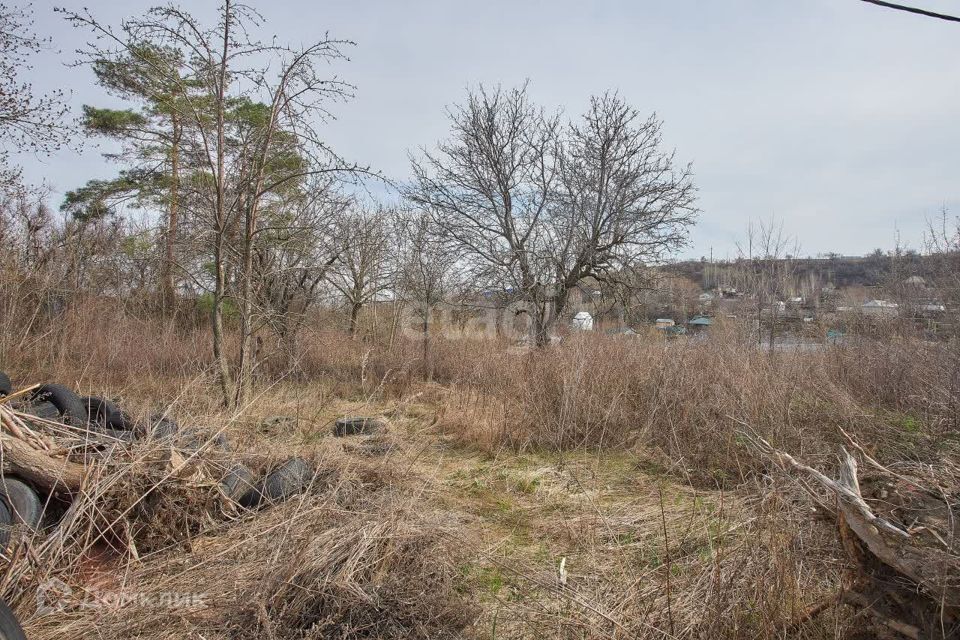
6	525
22	501
238	481
68	403
160	428
290	478
9	625
357	426
190	438
102	411
6	387
121	435
45	410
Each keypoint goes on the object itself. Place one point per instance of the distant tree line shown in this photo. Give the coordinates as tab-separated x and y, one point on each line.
873	270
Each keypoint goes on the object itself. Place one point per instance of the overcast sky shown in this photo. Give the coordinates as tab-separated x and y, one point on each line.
836	116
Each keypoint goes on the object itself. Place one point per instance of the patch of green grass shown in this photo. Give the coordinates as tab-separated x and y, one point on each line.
910	424
625	537
490	579
528	485
542	554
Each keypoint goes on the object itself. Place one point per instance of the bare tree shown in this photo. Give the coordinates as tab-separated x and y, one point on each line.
489	187
249	112
623	205
28	121
769	272
426	273
942	240
536	208
292	260
365	266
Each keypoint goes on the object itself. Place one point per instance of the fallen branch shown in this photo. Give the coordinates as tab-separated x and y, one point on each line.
873	542
847	489
52	474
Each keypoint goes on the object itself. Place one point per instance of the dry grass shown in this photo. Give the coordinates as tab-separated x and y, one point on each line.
351	558
688	399
618	457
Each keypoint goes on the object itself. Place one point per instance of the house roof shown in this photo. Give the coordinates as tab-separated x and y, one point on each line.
701	321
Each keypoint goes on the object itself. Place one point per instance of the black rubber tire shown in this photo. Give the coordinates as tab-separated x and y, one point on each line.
357	426
45	410
121	435
222	442
161	428
69	404
93	405
290	478
238	482
200	439
6	525
6	387
22	501
104	412
10	628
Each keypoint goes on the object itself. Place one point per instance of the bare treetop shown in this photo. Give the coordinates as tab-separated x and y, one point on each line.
28	121
536	208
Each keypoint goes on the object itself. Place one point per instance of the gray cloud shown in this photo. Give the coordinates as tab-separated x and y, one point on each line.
836	116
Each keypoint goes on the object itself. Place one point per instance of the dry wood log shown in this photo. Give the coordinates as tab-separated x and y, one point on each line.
52	474
881	548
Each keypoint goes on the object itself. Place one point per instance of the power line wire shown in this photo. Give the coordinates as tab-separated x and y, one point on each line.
922	12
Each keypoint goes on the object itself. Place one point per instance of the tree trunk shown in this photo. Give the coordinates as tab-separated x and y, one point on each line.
247	355
354	317
245	368
546	316
220	223
541	326
773	326
427	368
219	295
167	283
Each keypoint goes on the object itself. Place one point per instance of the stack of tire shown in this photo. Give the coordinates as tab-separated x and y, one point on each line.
21	504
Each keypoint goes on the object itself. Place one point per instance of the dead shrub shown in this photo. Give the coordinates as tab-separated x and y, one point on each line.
687	398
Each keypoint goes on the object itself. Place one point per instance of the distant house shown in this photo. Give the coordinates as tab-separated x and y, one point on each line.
583	321
879	308
932	307
663	323
706	296
700	323
915	281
